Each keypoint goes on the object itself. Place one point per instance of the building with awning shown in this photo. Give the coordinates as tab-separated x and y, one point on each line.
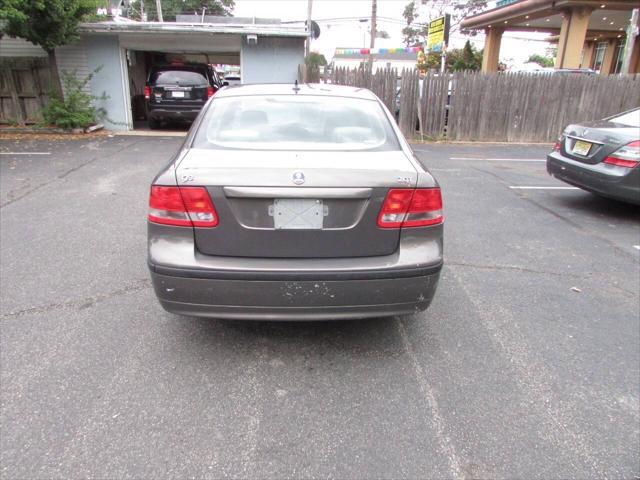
601	35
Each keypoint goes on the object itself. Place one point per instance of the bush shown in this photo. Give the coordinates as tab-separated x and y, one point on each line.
76	109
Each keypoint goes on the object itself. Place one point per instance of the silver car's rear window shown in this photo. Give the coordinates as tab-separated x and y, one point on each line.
630	119
289	122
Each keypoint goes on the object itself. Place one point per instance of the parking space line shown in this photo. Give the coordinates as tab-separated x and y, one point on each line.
25	153
500	159
522	187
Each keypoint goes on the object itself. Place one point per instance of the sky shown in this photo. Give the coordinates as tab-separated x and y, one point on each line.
340	25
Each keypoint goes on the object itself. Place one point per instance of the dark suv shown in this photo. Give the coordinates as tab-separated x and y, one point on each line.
178	91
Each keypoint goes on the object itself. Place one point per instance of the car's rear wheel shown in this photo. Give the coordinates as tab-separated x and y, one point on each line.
153	123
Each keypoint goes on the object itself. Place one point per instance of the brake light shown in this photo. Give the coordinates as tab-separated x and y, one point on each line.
210	92
627	156
411	208
182	207
147	92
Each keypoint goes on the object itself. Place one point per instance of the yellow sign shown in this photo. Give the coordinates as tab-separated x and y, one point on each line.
438	34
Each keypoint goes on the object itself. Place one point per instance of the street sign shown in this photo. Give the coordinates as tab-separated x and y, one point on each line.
438	34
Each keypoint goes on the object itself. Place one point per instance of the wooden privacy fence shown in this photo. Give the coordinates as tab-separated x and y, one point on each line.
533	108
502	107
24	86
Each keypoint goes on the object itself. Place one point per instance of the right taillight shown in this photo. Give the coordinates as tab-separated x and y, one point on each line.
181	206
411	208
147	92
627	156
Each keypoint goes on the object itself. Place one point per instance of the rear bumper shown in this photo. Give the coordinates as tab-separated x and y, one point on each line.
190	283
174	113
608	180
309	299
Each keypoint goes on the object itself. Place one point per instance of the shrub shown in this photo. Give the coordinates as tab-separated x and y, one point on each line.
76	109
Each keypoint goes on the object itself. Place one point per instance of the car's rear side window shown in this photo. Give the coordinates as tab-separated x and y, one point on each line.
183	78
630	119
289	122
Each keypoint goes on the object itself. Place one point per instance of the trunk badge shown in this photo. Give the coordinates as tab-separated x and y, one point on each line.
298	178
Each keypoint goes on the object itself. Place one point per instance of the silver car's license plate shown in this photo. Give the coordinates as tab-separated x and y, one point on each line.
297	214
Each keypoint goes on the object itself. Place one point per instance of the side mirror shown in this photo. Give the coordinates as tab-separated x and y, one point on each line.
225	84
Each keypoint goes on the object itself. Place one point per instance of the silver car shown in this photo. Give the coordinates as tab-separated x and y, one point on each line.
292	202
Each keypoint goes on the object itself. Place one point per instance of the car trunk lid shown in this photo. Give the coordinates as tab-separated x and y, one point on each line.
276	204
592	142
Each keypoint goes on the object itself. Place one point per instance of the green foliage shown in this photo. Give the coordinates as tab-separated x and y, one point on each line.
76	110
171	8
462	59
542	61
315	59
413	36
47	23
416	34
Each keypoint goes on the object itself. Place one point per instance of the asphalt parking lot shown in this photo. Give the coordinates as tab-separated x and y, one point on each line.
525	366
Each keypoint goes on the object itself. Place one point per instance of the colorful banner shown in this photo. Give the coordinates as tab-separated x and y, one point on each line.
375	51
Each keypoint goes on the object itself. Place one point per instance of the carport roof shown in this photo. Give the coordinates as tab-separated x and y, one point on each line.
274	30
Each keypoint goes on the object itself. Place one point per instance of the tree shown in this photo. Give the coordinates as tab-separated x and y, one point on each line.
47	23
542	61
171	8
315	59
413	35
416	33
466	58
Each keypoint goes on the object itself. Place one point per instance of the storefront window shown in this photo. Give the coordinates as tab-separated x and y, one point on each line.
619	56
598	56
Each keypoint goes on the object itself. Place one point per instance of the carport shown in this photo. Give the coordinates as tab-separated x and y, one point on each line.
123	53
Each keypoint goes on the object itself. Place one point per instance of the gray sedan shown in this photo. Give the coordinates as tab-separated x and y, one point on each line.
292	202
602	157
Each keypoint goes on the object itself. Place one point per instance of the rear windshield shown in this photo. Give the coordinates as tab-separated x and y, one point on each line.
184	78
289	122
630	119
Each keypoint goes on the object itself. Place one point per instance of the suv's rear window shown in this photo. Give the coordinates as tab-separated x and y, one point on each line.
184	78
289	122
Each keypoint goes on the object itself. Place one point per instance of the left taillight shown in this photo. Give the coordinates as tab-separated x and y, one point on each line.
181	206
411	208
147	92
210	92
627	156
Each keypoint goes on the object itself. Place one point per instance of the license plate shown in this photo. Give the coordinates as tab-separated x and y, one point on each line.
177	94
297	214
582	148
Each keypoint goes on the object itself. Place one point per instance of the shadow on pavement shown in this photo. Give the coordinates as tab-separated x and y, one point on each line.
593	204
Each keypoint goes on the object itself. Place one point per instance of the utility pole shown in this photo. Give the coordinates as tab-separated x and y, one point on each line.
159	9
372	43
307	45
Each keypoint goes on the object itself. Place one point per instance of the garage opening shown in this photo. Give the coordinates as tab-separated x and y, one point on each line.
223	68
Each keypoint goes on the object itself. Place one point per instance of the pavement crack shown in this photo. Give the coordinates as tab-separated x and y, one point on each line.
439	423
66	173
515	268
575	225
82	303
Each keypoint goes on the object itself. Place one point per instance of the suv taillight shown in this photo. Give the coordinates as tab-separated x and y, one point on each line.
182	207
147	92
411	208
627	156
210	92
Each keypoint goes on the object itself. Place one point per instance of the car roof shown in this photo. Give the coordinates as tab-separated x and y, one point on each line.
306	89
